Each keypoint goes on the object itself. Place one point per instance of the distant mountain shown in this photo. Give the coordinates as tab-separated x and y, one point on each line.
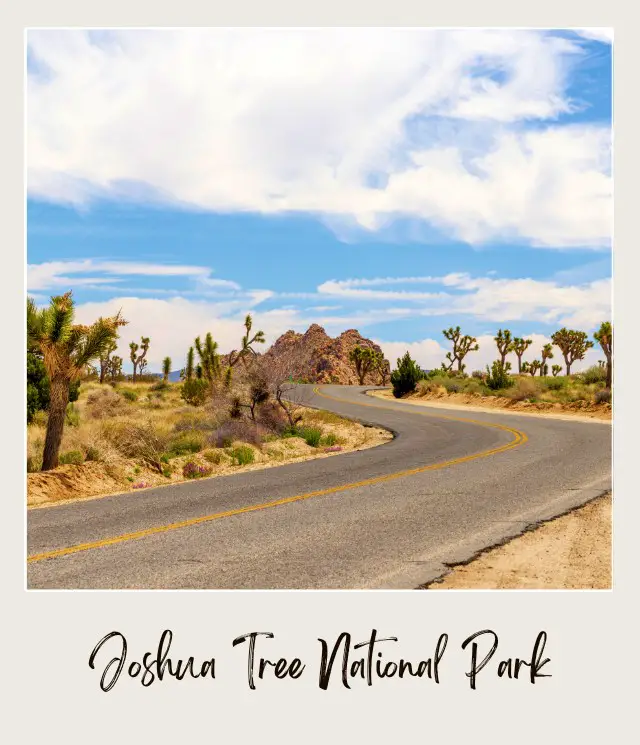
174	377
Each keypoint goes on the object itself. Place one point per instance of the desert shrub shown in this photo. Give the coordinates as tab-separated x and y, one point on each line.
242	455
554	384
194	391
452	386
523	389
498	377
235	429
40	419
603	396
475	387
159	386
71	457
74	391
311	435
104	403
478	374
192	470
271	417
405	378
594	374
33	464
329	440
129	394
426	386
195	419
92	453
72	416
423	387
216	457
186	443
37	386
137	439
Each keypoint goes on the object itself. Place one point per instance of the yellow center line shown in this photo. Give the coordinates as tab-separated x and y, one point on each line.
519	439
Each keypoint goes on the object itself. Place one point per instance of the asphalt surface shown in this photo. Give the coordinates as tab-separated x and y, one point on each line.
477	479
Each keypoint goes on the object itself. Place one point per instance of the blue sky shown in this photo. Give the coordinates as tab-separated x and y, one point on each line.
409	181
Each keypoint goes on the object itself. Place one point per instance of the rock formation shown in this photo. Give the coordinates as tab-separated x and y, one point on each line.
322	359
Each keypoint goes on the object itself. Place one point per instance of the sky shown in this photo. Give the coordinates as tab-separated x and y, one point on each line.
394	181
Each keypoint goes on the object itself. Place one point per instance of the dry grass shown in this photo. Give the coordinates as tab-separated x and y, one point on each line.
148	438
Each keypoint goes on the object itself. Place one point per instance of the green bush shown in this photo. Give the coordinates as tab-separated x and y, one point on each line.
405	378
92	453
554	384
194	391
38	387
129	394
603	396
72	416
595	374
71	457
242	455
311	435
498	377
185	444
330	440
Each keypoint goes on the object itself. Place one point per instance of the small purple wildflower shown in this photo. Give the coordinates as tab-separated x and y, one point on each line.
333	449
141	485
192	470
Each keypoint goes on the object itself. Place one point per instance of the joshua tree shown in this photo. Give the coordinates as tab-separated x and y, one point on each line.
105	360
66	350
166	369
247	344
533	367
604	337
546	354
520	346
138	359
556	370
504	342
572	344
187	373
142	367
209	358
382	368
364	360
462	345
115	367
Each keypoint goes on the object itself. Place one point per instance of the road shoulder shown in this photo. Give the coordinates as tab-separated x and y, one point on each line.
571	552
574	416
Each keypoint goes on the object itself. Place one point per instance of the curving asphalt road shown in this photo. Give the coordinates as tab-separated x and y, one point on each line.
450	484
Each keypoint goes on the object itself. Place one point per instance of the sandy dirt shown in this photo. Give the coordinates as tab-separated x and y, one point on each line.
572	552
468	402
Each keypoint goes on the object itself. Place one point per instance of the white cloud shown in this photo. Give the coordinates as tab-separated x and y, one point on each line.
53	275
604	35
489	298
301	120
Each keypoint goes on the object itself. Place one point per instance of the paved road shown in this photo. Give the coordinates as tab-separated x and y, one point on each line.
356	520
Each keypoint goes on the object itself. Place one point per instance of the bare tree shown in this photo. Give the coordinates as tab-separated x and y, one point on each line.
283	373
